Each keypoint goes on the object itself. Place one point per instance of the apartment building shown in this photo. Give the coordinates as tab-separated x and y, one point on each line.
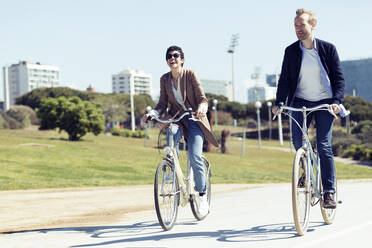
24	77
134	81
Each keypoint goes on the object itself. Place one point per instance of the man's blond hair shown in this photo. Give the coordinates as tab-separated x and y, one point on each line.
312	19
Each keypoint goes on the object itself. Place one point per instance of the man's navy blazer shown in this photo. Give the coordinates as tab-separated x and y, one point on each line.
288	80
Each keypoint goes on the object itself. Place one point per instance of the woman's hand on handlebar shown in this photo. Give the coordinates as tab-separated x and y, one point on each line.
199	114
145	117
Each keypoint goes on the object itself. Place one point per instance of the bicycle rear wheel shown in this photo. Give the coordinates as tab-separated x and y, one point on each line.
301	190
166	195
327	213
193	200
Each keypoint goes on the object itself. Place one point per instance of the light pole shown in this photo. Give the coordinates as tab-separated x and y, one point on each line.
258	105
147	126
234	43
280	129
215	101
269	104
133	121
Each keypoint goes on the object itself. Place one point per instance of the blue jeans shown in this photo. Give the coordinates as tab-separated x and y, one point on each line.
324	123
195	140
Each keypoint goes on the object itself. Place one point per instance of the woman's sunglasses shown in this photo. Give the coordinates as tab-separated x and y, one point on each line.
174	55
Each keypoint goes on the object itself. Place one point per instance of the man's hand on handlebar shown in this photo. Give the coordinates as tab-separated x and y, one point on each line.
335	108
276	110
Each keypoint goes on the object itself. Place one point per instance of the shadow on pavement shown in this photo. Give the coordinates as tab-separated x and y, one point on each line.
151	231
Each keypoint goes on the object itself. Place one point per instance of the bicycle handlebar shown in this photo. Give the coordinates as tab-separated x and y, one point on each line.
154	117
327	107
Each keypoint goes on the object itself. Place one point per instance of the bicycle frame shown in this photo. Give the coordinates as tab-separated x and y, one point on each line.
186	184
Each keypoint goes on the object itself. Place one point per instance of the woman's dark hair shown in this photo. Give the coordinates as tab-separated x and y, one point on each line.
175	48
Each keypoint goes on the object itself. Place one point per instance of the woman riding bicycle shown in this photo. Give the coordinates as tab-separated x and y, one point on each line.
181	89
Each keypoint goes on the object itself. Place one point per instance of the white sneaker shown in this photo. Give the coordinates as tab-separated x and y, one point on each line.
203	205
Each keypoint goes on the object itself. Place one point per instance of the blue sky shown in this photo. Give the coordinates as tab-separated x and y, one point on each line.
91	40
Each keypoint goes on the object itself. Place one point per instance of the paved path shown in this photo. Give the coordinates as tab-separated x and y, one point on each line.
254	217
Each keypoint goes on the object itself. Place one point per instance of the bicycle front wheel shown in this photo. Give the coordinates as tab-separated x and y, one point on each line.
301	190
193	202
327	213
166	195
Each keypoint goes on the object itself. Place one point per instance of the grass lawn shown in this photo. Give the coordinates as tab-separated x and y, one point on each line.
31	159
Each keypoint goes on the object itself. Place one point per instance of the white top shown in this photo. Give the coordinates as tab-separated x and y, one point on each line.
178	96
313	81
177	93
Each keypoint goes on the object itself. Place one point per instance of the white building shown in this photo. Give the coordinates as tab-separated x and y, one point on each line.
128	80
23	77
218	87
261	92
260	89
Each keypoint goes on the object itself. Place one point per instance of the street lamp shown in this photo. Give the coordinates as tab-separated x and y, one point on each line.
133	120
234	43
215	101
147	126
269	104
258	105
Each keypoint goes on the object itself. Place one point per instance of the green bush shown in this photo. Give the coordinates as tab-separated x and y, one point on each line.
341	143
2	122
23	114
73	115
358	152
18	117
10	123
362	127
116	131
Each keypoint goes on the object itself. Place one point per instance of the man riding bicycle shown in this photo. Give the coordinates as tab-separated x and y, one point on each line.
311	75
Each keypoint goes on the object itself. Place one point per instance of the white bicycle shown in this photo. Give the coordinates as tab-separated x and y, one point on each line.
307	189
171	188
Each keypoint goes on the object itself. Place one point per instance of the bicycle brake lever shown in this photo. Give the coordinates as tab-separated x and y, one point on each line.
330	110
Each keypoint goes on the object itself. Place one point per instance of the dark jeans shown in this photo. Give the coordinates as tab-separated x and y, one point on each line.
324	123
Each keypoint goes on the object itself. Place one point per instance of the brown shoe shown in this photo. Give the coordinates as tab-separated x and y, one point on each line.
329	200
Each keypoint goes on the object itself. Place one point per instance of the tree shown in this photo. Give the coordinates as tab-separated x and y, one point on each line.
34	97
73	115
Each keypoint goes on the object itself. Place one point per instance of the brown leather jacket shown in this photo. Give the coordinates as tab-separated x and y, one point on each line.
193	95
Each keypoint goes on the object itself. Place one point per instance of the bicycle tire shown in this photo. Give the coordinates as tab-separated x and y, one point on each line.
301	191
327	213
193	201
166	195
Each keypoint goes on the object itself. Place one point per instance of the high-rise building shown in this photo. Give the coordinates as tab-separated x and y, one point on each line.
128	80
23	77
261	92
218	87
261	88
358	77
